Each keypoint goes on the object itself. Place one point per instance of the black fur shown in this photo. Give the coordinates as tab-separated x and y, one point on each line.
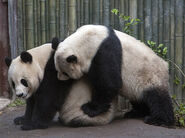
8	61
105	75
26	57
55	42
72	59
157	108
43	105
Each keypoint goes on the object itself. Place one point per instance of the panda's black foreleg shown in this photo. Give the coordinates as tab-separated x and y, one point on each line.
44	111
28	113
160	105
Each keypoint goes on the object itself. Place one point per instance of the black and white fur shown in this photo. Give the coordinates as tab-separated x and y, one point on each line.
114	61
33	76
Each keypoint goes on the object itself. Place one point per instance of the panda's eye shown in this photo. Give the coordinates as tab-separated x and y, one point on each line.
24	82
13	84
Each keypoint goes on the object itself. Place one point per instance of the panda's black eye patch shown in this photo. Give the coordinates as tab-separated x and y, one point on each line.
72	59
24	82
13	84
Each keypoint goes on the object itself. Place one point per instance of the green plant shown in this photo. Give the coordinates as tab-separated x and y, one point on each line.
179	112
160	49
17	102
128	21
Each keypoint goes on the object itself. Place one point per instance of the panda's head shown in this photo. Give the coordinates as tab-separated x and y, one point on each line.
74	55
24	75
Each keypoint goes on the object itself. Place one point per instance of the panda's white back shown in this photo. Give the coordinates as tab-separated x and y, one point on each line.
143	68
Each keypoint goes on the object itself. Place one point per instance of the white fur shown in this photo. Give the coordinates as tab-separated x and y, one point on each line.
141	67
80	93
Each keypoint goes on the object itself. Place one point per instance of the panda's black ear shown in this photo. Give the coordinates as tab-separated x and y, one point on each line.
26	57
8	61
72	59
55	42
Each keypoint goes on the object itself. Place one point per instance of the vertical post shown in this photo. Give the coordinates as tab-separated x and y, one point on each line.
52	19
148	20
179	44
72	16
29	24
106	12
4	48
155	21
172	44
43	20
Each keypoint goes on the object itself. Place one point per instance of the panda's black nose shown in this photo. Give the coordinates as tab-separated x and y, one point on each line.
20	95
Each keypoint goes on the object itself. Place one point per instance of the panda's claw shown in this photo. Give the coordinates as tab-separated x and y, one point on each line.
19	120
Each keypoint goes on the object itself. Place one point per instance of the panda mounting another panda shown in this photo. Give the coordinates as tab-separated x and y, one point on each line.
116	63
33	76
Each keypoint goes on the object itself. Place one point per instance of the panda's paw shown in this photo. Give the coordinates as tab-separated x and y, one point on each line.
19	120
152	121
93	109
133	114
33	125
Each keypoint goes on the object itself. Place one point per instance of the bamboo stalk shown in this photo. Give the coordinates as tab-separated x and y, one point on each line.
148	20
160	21
47	21
57	18
78	9
112	15
43	20
166	24
86	9
72	16
29	24
35	23
141	17
179	43
155	21
172	43
20	29
96	15
101	11
39	22
81	12
90	11
116	18
133	14
62	18
52	19
106	12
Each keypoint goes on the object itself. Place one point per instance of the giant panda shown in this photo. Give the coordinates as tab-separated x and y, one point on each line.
33	76
116	63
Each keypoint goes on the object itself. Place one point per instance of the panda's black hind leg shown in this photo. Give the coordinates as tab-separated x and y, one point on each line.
160	105
139	110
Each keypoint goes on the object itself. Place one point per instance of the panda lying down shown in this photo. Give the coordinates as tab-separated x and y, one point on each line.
33	76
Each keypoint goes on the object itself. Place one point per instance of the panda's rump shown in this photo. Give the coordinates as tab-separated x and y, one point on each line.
71	112
141	68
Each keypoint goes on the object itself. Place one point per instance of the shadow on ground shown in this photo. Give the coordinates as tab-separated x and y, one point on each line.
117	129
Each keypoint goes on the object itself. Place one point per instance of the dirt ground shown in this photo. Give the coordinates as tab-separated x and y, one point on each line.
129	128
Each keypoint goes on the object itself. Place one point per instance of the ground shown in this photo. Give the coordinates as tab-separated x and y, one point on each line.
117	129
